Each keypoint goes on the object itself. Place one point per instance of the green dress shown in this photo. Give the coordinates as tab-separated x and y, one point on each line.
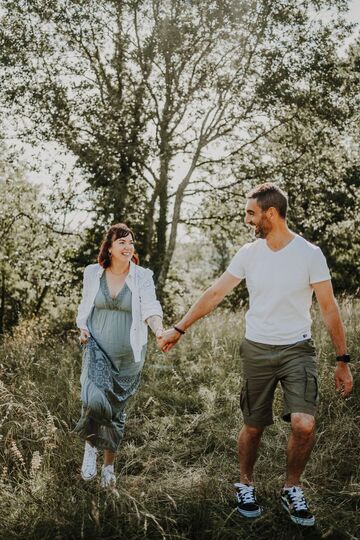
109	323
110	375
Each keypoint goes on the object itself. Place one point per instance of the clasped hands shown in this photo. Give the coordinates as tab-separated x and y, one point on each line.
166	339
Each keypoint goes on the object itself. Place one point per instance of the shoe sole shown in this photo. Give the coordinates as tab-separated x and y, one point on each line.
251	514
87	478
299	521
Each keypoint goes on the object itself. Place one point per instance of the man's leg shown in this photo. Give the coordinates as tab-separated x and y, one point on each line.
300	444
248	443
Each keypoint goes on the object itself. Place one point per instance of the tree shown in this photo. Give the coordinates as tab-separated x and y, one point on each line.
315	159
35	246
134	88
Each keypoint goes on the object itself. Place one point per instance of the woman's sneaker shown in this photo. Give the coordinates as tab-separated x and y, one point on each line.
246	501
108	478
88	468
295	504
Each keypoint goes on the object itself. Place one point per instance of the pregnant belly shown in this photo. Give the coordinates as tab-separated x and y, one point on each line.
114	347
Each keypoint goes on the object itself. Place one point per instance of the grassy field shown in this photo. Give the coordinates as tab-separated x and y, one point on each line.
178	460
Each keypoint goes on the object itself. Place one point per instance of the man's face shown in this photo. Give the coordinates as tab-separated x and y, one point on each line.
256	218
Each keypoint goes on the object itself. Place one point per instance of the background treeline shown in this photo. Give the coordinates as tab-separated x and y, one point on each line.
171	110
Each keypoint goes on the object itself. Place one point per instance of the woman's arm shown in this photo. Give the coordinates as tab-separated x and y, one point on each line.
149	304
156	324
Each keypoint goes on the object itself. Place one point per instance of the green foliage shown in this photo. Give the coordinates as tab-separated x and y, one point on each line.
134	88
178	459
314	158
34	249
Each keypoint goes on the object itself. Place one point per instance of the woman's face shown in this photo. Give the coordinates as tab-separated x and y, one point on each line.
122	248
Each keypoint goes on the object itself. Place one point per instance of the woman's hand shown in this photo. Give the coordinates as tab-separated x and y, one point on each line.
84	336
158	334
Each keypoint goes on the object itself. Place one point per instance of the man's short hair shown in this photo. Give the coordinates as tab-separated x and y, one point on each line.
269	195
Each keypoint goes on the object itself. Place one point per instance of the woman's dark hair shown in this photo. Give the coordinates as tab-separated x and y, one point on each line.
119	230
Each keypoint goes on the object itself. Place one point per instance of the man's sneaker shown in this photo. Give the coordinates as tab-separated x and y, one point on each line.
246	501
294	502
108	478
88	468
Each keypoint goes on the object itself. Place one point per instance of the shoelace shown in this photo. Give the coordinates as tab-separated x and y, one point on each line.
246	493
297	498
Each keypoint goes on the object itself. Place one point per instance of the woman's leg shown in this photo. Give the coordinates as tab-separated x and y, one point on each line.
109	457
108	478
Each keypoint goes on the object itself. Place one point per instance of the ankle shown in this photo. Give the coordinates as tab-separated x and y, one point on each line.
290	485
246	480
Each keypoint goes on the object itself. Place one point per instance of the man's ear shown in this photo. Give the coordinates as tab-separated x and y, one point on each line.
272	213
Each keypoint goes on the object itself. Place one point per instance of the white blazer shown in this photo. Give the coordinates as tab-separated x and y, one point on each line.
143	305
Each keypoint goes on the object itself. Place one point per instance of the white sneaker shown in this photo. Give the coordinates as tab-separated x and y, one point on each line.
88	468
108	478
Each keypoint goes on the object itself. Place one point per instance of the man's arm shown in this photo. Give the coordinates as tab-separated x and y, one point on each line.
331	316
204	305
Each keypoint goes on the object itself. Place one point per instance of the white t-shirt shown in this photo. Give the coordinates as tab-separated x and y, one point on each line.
279	285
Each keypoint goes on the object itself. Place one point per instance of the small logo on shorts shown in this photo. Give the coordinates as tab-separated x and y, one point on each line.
304	335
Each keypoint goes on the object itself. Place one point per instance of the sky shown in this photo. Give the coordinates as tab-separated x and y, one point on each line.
355	10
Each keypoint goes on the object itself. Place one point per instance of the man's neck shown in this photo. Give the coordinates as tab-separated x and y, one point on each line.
279	237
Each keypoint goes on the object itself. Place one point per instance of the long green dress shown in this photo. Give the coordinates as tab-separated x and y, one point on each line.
110	374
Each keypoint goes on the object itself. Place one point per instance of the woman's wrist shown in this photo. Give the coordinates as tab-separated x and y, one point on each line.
159	332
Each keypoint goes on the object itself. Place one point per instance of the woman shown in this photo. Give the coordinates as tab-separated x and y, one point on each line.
118	300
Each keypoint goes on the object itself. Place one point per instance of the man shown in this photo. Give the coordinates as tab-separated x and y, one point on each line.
282	270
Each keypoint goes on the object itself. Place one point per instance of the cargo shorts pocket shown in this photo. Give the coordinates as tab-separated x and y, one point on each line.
244	398
311	386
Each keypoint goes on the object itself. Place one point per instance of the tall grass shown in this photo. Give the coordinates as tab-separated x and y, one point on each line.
178	460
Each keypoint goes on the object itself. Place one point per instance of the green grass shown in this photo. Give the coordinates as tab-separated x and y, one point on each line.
178	460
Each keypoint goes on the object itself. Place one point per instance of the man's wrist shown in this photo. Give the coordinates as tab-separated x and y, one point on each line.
179	329
345	358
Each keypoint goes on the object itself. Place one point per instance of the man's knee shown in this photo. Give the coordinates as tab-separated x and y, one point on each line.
302	425
254	432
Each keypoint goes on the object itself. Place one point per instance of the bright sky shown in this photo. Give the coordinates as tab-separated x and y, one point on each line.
355	10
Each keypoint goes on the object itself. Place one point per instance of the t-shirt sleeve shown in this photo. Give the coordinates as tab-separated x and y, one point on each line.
237	263
319	270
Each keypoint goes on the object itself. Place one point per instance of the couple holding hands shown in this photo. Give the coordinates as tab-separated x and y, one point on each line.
282	271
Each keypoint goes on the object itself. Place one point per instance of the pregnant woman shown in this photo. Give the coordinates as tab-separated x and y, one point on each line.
118	302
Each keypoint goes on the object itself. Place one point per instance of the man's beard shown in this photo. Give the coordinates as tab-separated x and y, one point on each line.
262	229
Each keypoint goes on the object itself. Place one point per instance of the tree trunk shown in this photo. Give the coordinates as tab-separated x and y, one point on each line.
168	253
41	299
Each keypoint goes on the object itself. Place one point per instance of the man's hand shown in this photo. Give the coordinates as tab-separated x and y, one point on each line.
84	336
343	379
169	339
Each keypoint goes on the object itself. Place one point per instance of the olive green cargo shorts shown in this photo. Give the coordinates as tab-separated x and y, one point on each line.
264	366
